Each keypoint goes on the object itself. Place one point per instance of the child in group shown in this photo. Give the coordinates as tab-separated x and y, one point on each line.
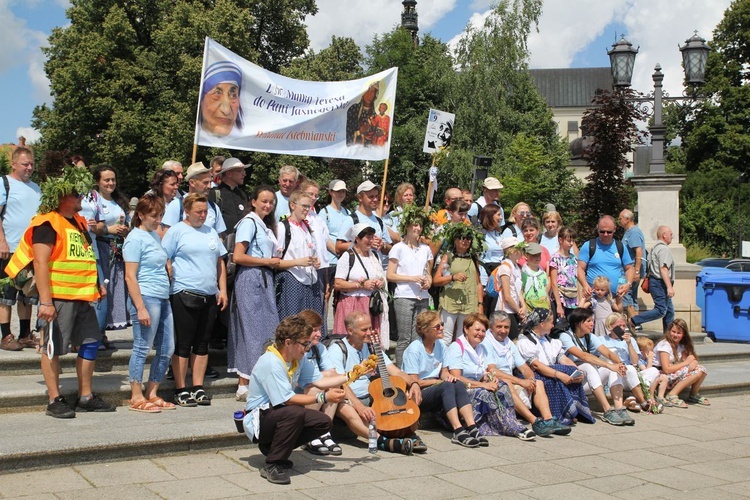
677	359
603	304
534	279
563	268
655	380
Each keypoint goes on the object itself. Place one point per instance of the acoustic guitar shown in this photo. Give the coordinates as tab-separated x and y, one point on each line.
395	414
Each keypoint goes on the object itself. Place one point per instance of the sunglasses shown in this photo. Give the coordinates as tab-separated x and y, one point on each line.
603	231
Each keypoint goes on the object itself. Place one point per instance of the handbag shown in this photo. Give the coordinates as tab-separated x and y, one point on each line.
376	303
645	285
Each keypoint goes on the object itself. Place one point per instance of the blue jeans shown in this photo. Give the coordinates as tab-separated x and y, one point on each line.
663	307
101	306
160	334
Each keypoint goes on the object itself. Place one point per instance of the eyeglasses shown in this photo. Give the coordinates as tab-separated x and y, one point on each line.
524	214
438	326
464	238
604	231
304	207
305	345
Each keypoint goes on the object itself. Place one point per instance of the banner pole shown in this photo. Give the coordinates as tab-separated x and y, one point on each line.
429	188
382	187
195	152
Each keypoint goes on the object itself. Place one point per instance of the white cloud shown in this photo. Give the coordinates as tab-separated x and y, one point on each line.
31	134
364	19
39	80
12	38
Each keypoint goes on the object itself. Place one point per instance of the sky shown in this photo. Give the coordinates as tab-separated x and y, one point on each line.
571	34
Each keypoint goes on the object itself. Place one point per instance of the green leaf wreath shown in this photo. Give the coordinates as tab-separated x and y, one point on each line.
73	180
453	230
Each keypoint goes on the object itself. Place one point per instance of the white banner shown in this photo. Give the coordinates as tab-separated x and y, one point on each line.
439	131
242	106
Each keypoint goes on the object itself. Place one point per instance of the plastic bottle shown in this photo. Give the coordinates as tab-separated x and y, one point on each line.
372	441
446	270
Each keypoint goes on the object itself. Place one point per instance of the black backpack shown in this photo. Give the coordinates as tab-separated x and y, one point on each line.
592	249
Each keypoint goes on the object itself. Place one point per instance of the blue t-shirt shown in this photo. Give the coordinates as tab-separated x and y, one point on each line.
505	354
194	254
475	209
632	239
372	221
335	220
282	206
145	249
252	231
459	359
112	213
417	361
91	209
23	202
620	347
493	255
607	261
173	216
354	357
588	343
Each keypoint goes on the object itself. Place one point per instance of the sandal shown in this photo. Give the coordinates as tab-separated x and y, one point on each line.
632	405
163	405
200	397
526	435
465	439
676	402
402	446
482	440
663	402
333	448
417	445
183	398
697	399
316	447
144	406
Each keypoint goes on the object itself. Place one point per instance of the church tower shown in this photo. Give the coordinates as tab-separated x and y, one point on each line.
409	19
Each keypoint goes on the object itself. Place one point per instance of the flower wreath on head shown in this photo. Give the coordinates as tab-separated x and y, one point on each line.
414	214
73	180
453	230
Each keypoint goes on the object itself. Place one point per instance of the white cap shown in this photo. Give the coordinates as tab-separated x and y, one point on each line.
337	185
492	183
367	186
509	242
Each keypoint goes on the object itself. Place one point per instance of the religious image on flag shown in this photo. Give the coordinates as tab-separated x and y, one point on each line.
439	131
243	106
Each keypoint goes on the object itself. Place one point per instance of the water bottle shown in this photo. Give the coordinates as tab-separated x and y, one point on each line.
372	440
446	269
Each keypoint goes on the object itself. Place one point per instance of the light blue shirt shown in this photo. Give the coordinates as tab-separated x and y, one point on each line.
632	239
335	220
144	248
252	231
505	354
354	357
91	209
474	210
194	254
372	221
112	213
620	347
23	202
588	343
417	361
173	215
459	359
607	262
282	206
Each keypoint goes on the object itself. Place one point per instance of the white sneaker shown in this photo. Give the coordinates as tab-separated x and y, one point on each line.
241	394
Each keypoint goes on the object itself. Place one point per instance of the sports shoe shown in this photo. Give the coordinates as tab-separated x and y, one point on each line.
59	408
560	428
9	343
526	435
543	428
211	373
275	473
626	419
94	404
612	417
241	394
30	341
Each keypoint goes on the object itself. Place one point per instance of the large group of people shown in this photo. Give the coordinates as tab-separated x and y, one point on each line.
502	325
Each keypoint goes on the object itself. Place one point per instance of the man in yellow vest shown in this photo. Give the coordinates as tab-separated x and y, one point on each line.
59	247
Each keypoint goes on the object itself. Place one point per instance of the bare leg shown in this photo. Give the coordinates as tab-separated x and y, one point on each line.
179	369
467	415
638	394
198	364
24	311
602	398
616	392
136	392
541	401
85	372
694	380
151	388
521	408
352	419
51	374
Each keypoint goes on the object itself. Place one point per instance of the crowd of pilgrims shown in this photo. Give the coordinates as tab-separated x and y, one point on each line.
492	331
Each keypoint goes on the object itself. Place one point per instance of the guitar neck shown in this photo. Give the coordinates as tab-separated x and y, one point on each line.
382	368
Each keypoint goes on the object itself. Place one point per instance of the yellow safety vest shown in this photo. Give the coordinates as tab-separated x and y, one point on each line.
72	264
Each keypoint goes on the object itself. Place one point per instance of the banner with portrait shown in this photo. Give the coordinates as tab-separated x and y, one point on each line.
439	131
243	106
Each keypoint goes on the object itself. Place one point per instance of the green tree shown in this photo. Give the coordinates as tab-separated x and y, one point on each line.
715	149
611	121
125	75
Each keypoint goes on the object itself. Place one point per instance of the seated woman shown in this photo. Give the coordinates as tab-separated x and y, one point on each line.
626	349
507	358
441	391
469	361
598	363
276	416
678	360
567	399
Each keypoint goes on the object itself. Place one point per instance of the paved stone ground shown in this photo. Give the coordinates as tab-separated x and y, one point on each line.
692	453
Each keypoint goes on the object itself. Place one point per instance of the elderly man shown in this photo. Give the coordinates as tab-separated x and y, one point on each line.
230	197
176	167
661	281
348	352
490	195
605	256
19	201
451	195
288	182
60	249
635	243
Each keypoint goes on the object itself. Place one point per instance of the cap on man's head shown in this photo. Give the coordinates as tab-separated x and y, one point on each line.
367	186
231	164
492	183
533	248
196	169
337	185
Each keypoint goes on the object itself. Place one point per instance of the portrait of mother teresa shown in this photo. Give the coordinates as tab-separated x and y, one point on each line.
220	109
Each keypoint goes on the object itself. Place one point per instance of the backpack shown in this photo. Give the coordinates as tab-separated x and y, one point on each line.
592	248
211	204
355	218
337	293
512	228
492	289
288	233
6	184
339	341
